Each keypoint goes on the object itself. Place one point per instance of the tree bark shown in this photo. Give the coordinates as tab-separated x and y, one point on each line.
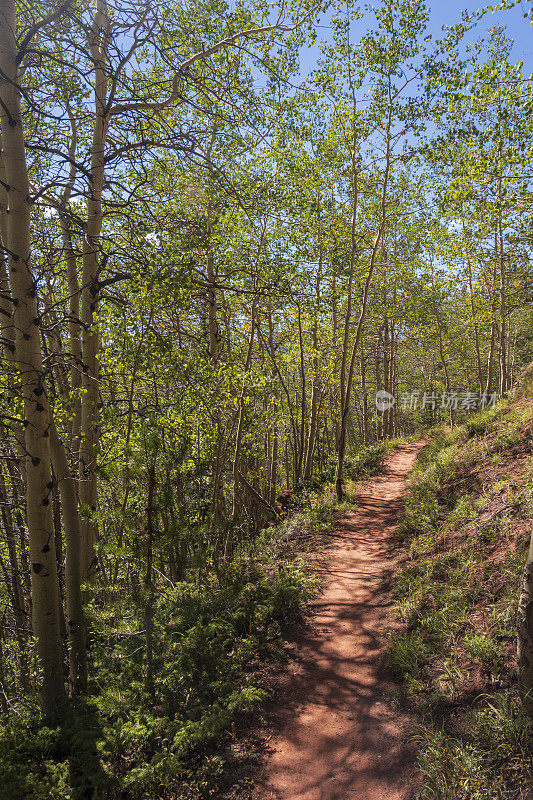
240	425
73	566
525	633
442	353
503	310
313	421
148	583
44	581
492	346
346	407
474	319
90	291
364	393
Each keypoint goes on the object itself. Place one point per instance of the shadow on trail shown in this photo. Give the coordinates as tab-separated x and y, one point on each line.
335	738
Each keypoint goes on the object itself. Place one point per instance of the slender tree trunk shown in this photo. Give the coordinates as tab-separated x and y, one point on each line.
344	417
492	346
511	354
44	582
334	315
267	460
8	339
525	632
349	301
73	567
490	358
366	430
148	583
300	444
4	707
386	372
90	292
474	320
377	366
58	537
311	438
17	594
503	310
442	354
217	467
313	421
212	306
240	419
74	334
273	468
393	382
69	255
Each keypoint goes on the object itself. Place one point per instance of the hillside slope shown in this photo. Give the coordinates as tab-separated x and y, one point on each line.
466	525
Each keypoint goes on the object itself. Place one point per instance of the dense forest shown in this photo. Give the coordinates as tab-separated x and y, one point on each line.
229	288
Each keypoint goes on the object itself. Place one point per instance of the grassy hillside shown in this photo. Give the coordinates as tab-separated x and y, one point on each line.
466	525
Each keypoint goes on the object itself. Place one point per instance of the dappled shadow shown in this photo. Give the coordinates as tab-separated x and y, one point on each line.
334	737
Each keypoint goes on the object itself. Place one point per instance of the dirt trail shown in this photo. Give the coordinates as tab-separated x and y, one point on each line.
335	739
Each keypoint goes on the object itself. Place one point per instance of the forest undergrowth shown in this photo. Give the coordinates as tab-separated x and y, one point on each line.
216	640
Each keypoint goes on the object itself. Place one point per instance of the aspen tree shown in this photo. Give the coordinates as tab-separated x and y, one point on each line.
28	357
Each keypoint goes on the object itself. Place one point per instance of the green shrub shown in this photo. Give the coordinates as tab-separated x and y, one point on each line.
407	652
483	649
126	743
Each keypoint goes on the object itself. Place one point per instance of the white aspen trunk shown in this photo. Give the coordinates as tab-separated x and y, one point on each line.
72	277
300	445
7	330
386	372
377	367
44	580
334	316
313	427
344	418
361	321
74	333
88	488
492	347
503	310
212	306
442	353
364	393
348	316
392	382
474	322
240	419
273	468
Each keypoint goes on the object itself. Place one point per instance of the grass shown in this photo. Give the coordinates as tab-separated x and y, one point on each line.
456	594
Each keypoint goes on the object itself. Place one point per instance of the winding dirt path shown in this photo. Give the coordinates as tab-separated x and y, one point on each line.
335	738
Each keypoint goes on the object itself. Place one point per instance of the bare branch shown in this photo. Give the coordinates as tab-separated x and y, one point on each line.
228	41
38	25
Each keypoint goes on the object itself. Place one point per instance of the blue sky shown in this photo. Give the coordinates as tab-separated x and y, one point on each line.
449	12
